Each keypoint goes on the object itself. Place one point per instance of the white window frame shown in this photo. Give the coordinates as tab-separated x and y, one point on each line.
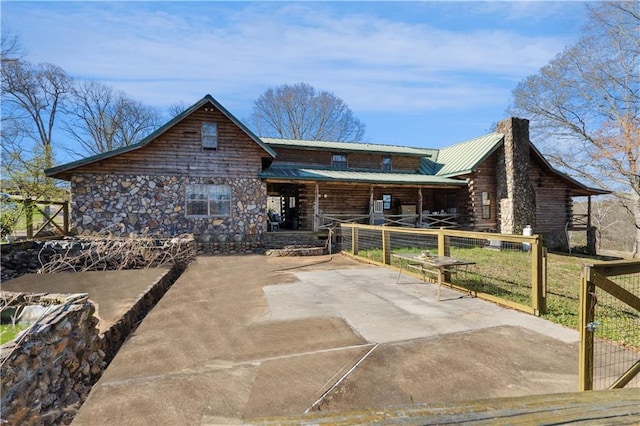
213	197
209	136
486	205
378	206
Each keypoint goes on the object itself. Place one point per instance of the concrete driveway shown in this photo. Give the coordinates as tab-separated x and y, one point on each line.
240	337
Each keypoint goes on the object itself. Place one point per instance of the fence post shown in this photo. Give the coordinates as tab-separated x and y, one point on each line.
443	243
28	214
386	247
538	293
585	325
354	239
444	250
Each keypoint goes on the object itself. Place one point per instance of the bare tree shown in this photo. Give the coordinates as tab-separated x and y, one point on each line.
31	99
11	48
177	108
32	95
101	119
585	105
299	112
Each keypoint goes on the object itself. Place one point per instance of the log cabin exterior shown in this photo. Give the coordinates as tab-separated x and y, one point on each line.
207	174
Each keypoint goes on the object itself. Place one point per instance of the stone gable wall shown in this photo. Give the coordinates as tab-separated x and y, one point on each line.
155	205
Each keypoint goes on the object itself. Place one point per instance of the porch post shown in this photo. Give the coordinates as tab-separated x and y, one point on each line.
419	206
316	209
588	211
371	206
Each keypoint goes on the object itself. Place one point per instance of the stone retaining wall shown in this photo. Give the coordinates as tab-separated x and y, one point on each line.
22	258
48	373
28	257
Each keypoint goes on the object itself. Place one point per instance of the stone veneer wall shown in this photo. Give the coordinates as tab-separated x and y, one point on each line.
48	374
156	205
515	192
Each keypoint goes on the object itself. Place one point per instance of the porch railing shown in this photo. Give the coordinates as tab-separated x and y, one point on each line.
579	220
329	220
434	220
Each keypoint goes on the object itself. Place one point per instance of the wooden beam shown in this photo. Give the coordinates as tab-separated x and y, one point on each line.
419	205
627	376
371	206
316	208
615	290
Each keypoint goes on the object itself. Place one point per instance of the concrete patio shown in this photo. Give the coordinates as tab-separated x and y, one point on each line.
240	337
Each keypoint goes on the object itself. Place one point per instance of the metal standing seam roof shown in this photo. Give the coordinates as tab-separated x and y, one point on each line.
311	174
158	132
351	147
464	157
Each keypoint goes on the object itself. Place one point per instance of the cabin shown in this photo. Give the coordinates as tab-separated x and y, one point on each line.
205	173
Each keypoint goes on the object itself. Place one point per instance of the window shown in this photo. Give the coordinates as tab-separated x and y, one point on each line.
386	199
486	205
386	163
209	135
208	200
378	206
339	161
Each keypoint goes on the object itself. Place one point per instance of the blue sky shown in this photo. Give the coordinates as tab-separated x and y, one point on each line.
416	73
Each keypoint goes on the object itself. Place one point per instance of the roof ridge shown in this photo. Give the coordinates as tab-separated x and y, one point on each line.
343	142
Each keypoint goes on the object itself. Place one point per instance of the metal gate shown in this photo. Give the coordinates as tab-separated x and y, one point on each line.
610	326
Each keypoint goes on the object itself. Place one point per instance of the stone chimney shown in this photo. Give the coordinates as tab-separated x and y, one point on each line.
516	195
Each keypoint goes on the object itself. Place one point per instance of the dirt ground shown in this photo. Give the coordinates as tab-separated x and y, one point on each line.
232	340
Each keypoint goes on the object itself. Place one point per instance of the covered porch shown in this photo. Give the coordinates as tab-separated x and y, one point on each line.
316	205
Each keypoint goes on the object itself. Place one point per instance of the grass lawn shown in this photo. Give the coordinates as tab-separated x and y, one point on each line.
507	274
8	332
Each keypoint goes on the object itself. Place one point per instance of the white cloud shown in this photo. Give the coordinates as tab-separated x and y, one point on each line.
164	52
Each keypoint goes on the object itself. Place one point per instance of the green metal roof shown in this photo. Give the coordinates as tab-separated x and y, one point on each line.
315	174
350	147
55	171
464	157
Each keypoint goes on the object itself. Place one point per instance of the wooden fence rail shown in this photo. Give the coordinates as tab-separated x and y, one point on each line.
29	207
358	239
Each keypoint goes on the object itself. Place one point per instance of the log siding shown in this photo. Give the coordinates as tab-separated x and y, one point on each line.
179	152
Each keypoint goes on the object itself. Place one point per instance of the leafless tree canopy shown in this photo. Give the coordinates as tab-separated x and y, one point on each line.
40	100
11	49
585	105
299	112
101	119
32	95
177	108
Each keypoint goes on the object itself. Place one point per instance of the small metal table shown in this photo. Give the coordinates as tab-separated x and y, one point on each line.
430	265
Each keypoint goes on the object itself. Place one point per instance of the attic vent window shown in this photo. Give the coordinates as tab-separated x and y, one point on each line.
339	161
209	135
386	163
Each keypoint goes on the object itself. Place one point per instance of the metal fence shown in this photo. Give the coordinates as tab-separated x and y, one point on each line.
508	269
610	306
